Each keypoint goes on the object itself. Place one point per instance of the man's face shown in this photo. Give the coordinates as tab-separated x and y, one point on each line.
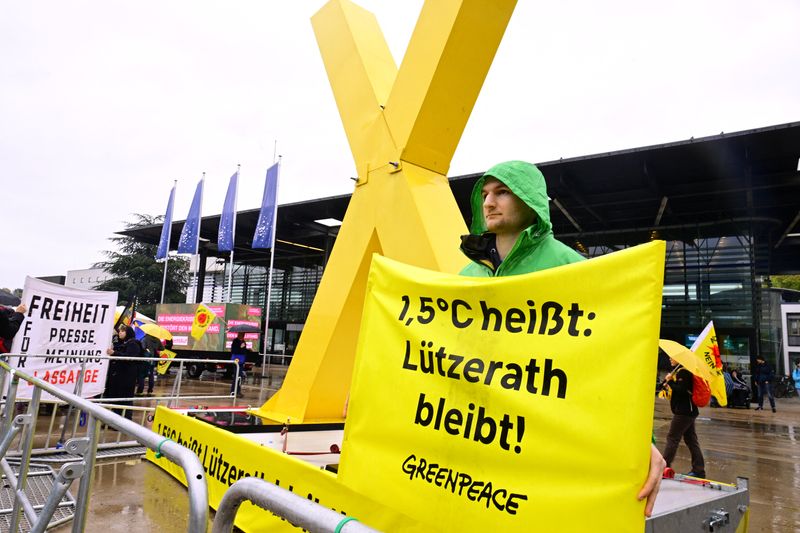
503	211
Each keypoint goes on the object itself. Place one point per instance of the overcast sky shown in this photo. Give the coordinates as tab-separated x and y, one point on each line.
104	103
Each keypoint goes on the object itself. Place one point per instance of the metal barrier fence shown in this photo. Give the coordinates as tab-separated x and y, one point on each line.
295	509
176	387
122	404
298	511
12	425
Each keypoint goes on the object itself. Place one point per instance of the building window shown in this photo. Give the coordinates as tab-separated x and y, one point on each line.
793	328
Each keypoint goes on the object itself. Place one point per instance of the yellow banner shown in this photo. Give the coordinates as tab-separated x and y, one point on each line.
522	403
203	318
227	457
165	359
707	350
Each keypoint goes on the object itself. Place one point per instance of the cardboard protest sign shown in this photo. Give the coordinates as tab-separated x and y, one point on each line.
61	323
521	403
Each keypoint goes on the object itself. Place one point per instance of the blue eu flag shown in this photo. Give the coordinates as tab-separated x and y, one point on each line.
227	222
166	229
190	235
264	236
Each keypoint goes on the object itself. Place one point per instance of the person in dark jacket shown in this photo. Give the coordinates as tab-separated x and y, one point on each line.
684	413
239	351
511	234
764	376
121	380
10	321
152	350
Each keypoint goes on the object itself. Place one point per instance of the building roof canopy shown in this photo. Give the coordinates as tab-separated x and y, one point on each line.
727	184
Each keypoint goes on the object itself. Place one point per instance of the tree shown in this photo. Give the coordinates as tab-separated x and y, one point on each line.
787	282
136	271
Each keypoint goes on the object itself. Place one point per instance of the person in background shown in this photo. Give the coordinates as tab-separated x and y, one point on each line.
239	351
738	382
152	350
796	376
511	234
684	413
728	380
764	376
10	321
121	380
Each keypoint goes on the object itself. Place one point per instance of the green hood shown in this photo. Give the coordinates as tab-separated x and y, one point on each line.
536	248
524	180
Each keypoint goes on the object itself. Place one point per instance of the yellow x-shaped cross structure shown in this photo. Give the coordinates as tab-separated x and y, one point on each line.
403	127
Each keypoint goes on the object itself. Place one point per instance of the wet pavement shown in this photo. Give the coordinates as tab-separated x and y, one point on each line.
759	445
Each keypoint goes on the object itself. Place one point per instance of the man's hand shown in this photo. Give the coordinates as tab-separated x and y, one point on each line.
21	308
653	482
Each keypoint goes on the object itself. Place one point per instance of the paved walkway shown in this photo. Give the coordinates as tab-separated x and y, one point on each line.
759	445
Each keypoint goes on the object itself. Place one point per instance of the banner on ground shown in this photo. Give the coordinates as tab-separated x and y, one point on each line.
227	457
508	404
62	323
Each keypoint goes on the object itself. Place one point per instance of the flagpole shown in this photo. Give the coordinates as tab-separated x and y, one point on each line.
166	257
233	233
197	247
271	261
164	282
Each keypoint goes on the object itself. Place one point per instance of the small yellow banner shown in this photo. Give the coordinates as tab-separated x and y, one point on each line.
165	359
203	318
707	350
522	403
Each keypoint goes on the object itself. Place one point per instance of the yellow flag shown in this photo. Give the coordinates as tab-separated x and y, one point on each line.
707	349
164	361
203	318
521	403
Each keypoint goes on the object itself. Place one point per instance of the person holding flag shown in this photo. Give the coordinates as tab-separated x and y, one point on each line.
680	383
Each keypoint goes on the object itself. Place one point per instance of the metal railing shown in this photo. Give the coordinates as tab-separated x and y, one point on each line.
295	509
12	425
298	511
176	386
124	404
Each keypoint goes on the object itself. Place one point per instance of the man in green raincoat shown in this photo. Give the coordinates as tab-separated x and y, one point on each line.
511	234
